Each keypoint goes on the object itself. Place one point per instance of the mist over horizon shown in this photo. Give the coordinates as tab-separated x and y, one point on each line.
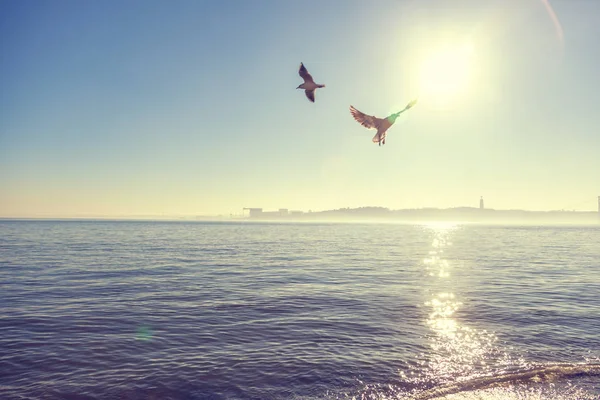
453	215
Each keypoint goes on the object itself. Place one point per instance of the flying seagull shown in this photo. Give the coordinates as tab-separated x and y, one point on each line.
380	124
309	85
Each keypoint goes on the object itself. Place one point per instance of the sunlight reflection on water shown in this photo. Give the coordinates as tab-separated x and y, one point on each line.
462	356
457	349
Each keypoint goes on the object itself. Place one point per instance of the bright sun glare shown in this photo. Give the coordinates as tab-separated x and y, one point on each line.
445	74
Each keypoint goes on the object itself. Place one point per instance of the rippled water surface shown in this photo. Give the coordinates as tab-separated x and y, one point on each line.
191	310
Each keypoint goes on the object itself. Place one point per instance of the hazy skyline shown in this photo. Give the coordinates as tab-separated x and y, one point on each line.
190	107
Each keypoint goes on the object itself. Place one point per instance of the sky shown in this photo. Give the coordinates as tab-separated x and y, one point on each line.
186	108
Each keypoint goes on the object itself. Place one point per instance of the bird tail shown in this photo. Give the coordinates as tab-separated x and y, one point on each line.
379	136
320	86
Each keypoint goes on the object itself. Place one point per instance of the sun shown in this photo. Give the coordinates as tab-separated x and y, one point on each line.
445	74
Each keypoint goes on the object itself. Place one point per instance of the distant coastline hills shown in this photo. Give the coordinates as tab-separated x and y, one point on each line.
456	214
369	214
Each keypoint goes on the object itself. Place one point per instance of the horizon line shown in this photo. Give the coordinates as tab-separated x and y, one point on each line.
232	215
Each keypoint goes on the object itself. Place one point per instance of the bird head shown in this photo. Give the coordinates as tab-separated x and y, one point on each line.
299	87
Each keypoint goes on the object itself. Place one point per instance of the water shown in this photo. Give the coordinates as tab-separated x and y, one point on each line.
190	310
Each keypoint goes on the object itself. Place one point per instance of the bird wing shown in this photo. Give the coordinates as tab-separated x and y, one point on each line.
310	94
368	121
304	74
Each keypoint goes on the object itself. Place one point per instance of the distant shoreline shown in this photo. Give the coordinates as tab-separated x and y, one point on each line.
369	214
460	214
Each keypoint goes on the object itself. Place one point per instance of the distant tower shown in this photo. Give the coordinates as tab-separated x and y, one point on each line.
481	202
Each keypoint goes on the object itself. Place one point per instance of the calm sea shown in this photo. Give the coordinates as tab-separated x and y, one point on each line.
195	310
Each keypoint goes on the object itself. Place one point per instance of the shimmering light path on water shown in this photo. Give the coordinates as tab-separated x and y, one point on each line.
142	310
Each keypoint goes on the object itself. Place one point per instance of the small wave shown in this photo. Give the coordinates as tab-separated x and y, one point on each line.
544	373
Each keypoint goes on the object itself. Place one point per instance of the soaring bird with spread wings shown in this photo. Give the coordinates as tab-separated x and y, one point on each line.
309	85
380	124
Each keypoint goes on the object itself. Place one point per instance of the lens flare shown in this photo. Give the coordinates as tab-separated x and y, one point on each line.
559	30
144	333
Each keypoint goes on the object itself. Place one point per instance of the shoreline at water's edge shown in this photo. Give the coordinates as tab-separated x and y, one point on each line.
366	214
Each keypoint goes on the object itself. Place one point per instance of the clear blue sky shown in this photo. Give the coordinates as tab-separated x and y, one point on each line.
112	108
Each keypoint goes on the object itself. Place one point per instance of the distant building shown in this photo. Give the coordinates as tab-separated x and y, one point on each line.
262	214
254	212
270	214
481	203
